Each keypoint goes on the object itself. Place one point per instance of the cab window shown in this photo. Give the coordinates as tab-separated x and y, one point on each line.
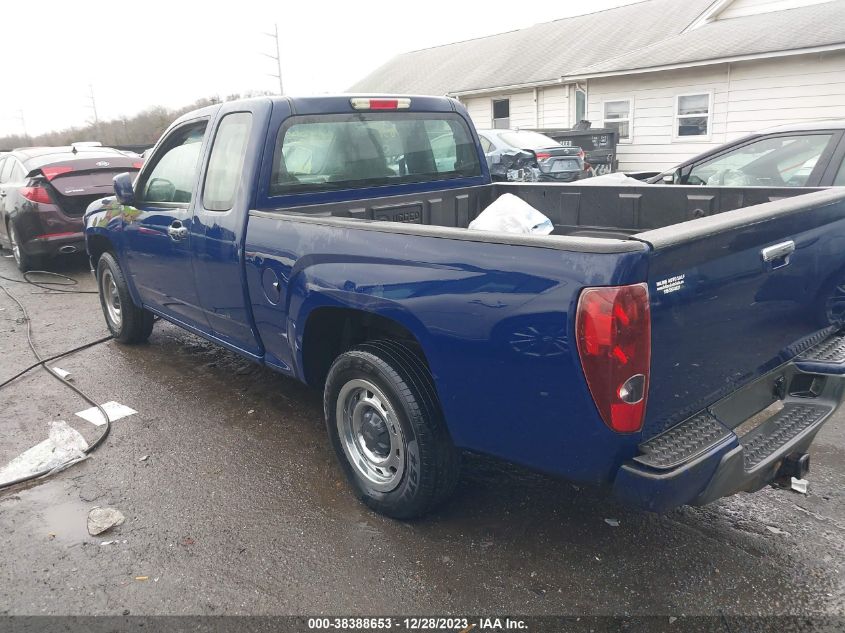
351	151
225	165
776	161
174	173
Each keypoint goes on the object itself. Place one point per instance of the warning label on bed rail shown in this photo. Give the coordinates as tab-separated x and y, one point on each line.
670	285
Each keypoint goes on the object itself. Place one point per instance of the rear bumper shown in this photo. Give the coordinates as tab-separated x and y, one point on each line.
45	230
724	449
61	243
564	176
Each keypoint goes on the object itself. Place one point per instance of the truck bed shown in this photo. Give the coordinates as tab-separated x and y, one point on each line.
609	212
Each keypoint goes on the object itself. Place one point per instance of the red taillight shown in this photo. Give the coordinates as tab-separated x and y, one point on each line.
52	172
138	165
613	332
542	155
36	194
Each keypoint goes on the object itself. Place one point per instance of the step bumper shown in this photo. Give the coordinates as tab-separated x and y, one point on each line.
731	447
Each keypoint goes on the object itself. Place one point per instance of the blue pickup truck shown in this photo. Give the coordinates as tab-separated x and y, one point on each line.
673	344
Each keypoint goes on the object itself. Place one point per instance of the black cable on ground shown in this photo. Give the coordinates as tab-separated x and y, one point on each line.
56	357
42	363
49	285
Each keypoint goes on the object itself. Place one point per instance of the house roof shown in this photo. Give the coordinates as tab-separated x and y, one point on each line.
809	27
538	54
648	35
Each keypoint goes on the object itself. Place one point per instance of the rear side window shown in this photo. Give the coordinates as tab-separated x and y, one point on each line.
18	173
839	181
174	174
350	151
227	161
528	140
6	170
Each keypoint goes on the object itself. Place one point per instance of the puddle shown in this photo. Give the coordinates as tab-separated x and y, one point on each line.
52	511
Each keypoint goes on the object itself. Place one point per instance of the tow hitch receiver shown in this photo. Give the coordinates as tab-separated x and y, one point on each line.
794	465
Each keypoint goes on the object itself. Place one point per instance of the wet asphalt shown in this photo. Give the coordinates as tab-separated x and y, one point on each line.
234	505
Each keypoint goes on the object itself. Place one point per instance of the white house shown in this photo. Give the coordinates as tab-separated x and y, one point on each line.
675	77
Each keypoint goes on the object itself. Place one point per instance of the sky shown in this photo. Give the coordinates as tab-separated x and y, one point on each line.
135	55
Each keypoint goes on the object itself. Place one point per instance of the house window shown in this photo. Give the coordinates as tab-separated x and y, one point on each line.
501	113
692	115
580	105
617	116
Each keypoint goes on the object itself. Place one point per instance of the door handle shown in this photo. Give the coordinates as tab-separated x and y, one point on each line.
176	231
778	255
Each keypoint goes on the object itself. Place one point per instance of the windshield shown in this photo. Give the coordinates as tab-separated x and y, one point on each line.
528	140
349	151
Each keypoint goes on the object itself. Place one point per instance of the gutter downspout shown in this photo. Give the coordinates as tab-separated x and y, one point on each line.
536	109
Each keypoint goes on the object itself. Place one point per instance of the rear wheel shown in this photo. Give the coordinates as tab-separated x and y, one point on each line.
127	322
24	262
387	429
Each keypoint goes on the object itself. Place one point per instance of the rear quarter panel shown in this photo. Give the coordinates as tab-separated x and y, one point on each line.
494	321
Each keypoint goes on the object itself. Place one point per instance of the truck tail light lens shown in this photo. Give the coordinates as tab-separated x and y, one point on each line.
367	103
613	332
36	194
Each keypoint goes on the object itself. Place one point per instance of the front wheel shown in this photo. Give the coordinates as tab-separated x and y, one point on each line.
387	429
127	322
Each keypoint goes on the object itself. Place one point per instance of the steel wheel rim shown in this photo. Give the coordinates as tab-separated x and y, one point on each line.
371	435
111	298
16	250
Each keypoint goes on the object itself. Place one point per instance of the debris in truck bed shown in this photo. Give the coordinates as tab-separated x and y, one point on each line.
510	214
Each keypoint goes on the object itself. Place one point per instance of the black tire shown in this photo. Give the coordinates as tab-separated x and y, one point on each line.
431	462
133	323
24	262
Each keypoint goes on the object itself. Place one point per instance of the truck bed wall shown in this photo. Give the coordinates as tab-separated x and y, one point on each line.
577	210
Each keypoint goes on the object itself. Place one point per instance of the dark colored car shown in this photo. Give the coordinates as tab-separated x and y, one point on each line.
556	162
44	192
797	155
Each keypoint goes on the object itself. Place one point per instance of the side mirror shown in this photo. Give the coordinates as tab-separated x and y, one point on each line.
669	179
123	190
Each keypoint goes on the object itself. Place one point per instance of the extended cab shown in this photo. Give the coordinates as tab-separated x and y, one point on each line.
671	343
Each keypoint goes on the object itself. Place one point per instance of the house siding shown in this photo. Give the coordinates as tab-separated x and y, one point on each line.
552	108
747	96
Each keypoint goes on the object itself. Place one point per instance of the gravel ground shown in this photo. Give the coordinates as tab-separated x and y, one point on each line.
234	505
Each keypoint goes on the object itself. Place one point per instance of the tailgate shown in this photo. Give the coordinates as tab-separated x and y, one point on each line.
737	294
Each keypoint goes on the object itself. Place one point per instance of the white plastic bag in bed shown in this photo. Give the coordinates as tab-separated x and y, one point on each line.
510	214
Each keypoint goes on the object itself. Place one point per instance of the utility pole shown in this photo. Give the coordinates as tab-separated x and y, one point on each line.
277	57
23	126
93	107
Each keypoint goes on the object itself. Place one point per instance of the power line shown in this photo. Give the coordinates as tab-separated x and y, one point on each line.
277	57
